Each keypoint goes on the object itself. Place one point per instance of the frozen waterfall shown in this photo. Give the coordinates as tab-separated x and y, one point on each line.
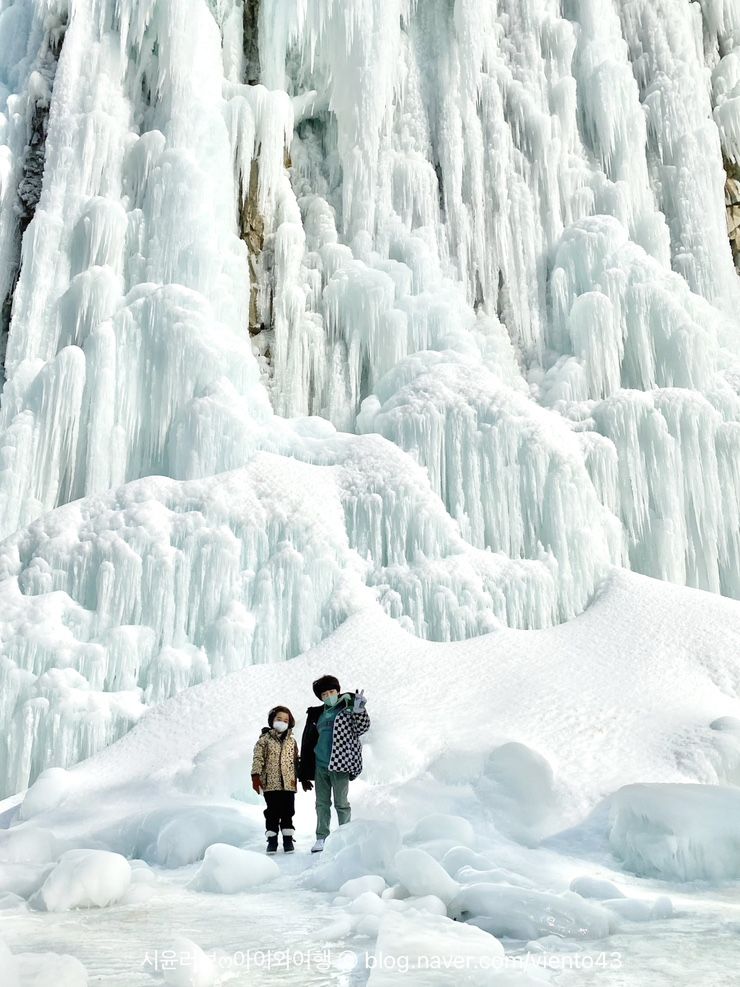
318	305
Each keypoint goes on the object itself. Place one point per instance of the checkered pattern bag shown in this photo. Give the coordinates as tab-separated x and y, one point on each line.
346	749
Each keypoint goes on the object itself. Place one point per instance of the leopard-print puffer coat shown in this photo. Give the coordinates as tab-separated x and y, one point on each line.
276	760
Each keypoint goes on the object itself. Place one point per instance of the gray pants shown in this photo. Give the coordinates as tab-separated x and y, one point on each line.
327	782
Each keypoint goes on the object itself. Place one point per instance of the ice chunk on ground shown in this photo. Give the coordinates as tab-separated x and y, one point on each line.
358	885
432	950
190	966
420	903
421	874
677	832
228	870
367	903
354	850
523	914
463	856
519	785
84	879
595	887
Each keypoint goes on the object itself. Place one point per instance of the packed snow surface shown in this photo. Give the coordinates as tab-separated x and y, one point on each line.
491	822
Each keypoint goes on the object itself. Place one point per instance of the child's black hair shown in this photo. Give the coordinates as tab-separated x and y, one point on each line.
324	683
280	709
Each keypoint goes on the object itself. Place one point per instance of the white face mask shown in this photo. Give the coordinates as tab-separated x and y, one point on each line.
279	725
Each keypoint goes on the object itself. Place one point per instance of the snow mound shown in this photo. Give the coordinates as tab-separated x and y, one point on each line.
358	848
430	950
683	832
420	874
190	967
84	879
40	970
228	870
358	885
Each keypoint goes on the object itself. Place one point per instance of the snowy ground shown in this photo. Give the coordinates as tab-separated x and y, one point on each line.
489	788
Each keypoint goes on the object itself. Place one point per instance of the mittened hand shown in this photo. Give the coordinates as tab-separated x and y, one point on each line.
359	701
307	786
256	783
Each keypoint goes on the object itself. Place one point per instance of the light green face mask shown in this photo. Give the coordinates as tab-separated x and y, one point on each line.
331	700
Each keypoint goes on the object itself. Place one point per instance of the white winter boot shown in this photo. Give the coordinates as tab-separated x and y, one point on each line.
318	846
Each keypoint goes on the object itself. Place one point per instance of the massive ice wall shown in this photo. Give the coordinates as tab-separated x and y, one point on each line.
422	304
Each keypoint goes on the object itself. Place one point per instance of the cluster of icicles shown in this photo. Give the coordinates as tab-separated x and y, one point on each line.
499	350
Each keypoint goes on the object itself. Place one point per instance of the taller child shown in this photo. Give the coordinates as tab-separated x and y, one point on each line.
331	752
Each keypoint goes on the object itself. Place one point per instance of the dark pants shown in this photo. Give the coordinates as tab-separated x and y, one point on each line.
279	811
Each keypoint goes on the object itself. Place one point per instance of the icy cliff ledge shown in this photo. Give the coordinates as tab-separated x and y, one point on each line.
116	602
536	194
484	248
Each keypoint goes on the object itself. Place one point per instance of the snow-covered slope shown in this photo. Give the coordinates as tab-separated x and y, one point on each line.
498	772
645	671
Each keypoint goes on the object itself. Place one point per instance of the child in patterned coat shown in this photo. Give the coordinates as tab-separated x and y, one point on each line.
332	751
275	767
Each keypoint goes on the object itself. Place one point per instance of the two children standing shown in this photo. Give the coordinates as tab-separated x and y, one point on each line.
332	757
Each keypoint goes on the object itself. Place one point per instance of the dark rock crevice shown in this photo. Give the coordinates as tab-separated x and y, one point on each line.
251	220
251	16
32	166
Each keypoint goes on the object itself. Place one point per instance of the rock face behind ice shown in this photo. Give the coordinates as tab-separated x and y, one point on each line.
677	832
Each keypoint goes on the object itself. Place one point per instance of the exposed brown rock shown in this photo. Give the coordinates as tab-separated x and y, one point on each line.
252	230
732	208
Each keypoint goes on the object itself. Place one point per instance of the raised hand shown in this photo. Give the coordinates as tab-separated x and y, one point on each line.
359	701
